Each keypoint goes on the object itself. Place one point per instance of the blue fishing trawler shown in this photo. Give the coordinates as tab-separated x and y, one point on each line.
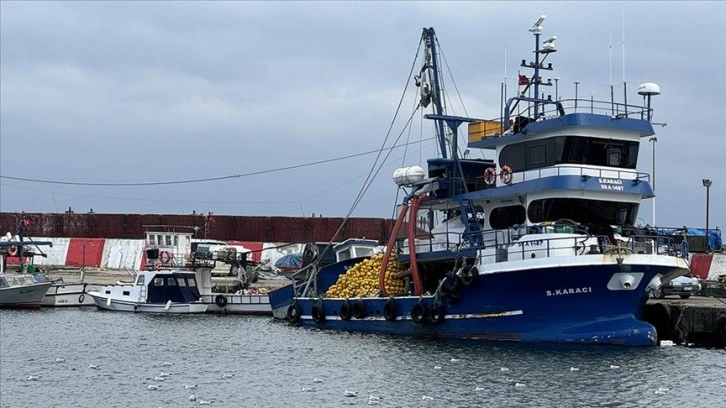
536	244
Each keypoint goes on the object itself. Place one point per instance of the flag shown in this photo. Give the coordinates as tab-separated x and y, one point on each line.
523	80
28	222
211	219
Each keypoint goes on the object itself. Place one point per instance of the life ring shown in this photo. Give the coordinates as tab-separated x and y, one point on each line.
81	298
13	250
157	266
359	309
437	313
468	278
418	313
318	313
389	310
345	312
490	176
220	300
506	174
165	257
293	313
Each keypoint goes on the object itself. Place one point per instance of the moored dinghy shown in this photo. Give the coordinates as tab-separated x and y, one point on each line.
521	247
158	291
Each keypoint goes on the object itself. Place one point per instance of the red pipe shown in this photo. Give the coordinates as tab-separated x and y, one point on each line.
389	249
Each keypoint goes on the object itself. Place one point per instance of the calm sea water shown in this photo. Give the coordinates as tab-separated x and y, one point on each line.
239	361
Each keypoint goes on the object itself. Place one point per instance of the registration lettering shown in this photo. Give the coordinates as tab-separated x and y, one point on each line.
569	291
611	184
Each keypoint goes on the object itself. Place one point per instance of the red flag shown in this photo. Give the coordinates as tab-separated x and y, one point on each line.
28	222
523	80
211	218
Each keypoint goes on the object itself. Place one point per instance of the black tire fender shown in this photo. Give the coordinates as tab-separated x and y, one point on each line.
346	311
318	313
436	313
220	300
359	309
419	313
293	313
389	310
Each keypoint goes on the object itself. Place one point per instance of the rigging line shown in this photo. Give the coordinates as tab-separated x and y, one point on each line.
202	180
390	128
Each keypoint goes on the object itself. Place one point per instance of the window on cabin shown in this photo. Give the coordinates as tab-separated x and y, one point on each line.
158	281
126	293
582	211
140	280
191	282
182	282
536	155
505	217
170	281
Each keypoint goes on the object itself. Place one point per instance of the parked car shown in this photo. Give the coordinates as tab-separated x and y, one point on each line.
682	286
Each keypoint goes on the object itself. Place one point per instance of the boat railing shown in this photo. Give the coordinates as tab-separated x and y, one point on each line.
584	172
522	243
552	110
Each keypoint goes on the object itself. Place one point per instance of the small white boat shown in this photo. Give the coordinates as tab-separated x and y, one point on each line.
61	294
21	291
158	291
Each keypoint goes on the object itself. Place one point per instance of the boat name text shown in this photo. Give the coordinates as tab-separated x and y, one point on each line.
569	291
610	184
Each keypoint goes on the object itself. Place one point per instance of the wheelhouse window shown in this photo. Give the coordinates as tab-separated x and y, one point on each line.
158	281
534	154
191	281
505	217
170	281
582	211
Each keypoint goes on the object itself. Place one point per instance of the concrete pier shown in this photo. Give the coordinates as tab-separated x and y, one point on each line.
697	320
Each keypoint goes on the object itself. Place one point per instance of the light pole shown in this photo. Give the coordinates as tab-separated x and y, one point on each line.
707	184
654	140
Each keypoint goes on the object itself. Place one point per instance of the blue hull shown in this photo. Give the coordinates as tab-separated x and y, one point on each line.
559	304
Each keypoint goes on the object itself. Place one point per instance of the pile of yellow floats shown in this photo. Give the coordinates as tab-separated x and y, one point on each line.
362	279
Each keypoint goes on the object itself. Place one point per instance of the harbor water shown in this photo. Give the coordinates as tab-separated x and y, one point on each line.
88	358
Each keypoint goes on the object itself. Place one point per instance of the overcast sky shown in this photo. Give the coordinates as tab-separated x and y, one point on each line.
135	92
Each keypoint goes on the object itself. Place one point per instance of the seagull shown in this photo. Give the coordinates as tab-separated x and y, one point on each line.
520	385
427	398
305	389
504	369
350	393
374	398
574	369
661	391
166	364
227	375
60	360
614	366
437	367
159	378
33	377
163	374
93	366
187	387
203	402
317	380
153	387
454	360
479	389
373	402
192	397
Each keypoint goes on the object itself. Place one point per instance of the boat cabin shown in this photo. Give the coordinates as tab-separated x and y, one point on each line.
158	287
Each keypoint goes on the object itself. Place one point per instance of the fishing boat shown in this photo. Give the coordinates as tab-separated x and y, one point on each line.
534	244
22	288
62	294
156	291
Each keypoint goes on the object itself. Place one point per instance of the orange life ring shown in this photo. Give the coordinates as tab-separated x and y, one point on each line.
506	174
490	176
165	257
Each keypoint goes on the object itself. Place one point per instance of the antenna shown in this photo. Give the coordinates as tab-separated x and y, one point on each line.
537	26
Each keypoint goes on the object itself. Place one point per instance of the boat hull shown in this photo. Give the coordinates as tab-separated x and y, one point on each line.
67	295
577	303
23	297
237	304
106	303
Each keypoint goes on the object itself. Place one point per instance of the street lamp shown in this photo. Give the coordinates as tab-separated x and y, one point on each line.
707	184
654	140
